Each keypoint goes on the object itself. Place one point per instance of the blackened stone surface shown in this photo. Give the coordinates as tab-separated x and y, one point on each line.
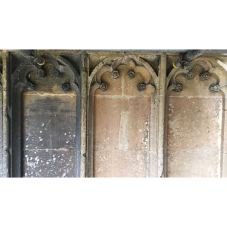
49	135
50	163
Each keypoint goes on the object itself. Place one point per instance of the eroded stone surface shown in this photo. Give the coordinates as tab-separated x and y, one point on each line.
49	163
49	135
194	134
194	129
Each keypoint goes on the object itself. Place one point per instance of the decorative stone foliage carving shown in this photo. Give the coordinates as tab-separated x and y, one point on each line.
204	76
131	74
22	73
207	72
135	65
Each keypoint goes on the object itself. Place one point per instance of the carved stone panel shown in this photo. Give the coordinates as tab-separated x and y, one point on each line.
195	120
50	120
122	125
70	113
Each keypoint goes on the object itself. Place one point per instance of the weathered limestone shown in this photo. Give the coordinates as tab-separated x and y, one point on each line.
113	114
124	126
195	123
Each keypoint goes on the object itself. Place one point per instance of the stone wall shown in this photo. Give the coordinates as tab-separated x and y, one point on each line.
112	114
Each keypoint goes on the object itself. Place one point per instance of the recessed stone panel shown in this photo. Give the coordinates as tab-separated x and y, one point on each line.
194	136
195	123
49	126
124	126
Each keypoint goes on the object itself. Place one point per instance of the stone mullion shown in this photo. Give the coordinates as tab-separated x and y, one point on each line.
161	90
5	167
84	95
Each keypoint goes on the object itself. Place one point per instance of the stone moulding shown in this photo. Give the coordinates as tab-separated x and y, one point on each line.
135	65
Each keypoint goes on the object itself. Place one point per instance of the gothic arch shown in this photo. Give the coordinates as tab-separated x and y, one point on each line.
138	73
57	76
206	80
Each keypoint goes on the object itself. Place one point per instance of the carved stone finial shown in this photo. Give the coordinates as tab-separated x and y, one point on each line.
56	73
215	88
178	87
103	87
66	87
141	87
204	76
131	74
115	74
190	75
